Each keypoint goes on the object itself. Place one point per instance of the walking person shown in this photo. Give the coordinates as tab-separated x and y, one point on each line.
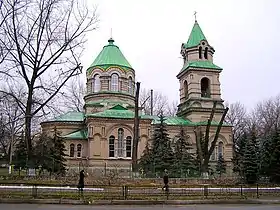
81	183
165	181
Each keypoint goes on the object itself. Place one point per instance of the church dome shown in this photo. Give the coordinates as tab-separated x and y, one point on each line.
110	55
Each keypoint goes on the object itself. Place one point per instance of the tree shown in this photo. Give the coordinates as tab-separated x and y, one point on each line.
46	50
267	115
202	141
221	165
73	97
57	154
250	161
160	102
238	160
20	154
160	155
42	150
11	125
274	168
145	162
184	161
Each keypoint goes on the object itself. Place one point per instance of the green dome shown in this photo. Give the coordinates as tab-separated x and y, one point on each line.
110	55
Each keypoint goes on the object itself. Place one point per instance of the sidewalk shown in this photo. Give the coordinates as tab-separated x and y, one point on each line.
141	202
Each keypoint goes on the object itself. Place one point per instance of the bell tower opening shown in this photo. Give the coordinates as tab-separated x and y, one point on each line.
205	87
200	52
186	93
206	53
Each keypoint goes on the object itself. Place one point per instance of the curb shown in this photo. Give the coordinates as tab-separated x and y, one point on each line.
136	202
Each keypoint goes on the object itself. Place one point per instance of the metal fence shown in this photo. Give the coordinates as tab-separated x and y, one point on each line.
125	192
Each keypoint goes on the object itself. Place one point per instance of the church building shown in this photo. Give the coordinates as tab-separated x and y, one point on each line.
101	136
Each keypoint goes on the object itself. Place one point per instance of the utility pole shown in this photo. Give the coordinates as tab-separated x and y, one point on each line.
136	129
152	97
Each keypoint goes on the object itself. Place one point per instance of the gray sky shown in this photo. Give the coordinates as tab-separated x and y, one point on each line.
244	33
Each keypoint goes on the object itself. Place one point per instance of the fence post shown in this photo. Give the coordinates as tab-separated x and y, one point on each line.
126	192
123	192
34	191
205	190
258	191
241	190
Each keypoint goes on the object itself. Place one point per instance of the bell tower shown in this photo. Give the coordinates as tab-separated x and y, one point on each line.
199	79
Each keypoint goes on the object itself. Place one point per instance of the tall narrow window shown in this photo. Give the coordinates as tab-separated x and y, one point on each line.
120	142
213	155
200	52
206	53
205	87
128	146
130	89
96	83
112	146
79	150
114	82
72	150
220	149
186	94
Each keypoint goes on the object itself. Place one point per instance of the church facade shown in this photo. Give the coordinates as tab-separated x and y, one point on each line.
101	136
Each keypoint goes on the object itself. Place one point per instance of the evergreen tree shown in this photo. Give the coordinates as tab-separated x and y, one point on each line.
221	165
20	153
42	151
58	154
275	158
250	161
184	159
238	159
161	154
266	151
145	161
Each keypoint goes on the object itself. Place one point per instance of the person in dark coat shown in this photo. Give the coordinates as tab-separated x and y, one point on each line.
165	181
81	183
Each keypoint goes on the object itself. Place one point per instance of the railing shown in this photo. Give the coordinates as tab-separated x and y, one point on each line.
125	192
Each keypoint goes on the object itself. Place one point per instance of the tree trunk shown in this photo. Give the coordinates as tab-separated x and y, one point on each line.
27	130
136	129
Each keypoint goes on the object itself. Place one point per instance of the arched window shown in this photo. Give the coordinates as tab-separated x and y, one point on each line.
205	87
206	53
200	52
112	146
220	149
79	150
128	146
130	87
114	82
186	94
96	83
120	142
72	150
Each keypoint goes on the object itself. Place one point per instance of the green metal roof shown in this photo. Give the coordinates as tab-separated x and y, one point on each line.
117	111
174	121
80	134
214	123
70	117
110	55
201	64
195	37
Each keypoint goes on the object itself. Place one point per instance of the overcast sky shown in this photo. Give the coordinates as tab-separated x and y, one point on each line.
244	33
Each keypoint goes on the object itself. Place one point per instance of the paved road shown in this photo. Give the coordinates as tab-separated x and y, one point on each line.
190	207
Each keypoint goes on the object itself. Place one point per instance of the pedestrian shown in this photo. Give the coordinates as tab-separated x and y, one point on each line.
165	181
81	183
